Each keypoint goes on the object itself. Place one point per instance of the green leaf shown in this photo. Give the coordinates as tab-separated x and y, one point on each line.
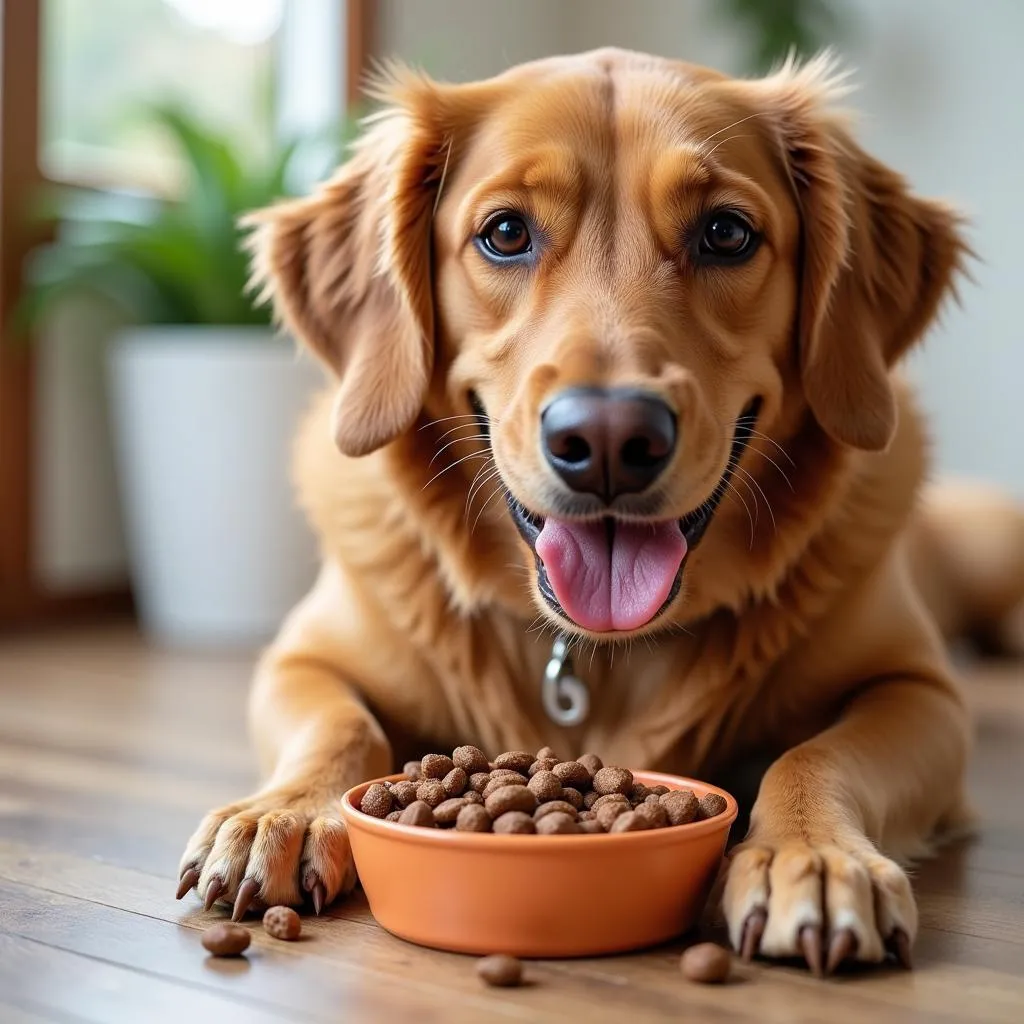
170	262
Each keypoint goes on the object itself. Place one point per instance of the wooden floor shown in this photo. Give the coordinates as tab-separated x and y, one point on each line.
110	751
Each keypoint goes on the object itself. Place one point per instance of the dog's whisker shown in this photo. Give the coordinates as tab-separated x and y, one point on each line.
768	504
446	419
484	475
771	440
457	462
458	440
722	142
731	489
735	124
459	426
497	490
765	455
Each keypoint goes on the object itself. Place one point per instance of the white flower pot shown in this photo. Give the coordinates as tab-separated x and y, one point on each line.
204	419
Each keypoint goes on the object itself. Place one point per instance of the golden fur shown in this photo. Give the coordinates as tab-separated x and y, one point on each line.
806	634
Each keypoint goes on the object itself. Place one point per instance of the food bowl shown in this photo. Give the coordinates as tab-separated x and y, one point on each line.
534	895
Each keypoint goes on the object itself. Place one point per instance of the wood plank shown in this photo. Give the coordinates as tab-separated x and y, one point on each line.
46	983
649	980
109	751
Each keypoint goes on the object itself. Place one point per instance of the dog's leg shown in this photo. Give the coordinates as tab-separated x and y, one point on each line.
810	879
966	545
286	843
818	874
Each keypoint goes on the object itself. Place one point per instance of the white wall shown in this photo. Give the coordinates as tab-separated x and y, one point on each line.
942	96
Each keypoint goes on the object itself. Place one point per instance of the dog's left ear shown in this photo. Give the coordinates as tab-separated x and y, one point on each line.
877	260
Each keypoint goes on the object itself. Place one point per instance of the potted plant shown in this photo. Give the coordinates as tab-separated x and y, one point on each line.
204	395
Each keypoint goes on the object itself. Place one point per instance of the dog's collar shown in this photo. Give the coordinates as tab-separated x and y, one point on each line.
565	696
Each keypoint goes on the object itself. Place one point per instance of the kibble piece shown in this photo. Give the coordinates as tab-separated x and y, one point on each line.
660	790
514	822
510	798
554	807
546	753
631	821
446	812
706	963
478	781
591	827
420	813
572	796
613	780
377	801
589	799
226	939
282	923
393	815
455	782
515	760
711	805
655	815
470	759
431	792
471	796
591	762
610	798
638	794
542	764
608	813
436	766
412	771
681	806
545	786
500	971
473	818
556	824
501	778
404	793
573	774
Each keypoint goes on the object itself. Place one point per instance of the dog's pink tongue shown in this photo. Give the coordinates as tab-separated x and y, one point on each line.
611	585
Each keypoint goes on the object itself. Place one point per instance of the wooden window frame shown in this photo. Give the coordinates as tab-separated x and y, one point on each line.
23	601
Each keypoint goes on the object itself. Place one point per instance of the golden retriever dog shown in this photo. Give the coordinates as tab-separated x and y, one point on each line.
612	341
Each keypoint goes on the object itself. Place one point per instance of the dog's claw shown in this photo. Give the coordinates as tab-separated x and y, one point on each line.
319	896
247	891
899	943
753	929
810	943
843	943
188	880
213	891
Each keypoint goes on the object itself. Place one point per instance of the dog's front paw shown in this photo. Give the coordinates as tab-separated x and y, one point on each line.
818	901
268	850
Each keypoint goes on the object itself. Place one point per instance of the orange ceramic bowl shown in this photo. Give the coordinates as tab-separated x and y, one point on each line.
538	896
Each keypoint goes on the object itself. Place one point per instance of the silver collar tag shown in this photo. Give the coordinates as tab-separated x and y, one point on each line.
565	697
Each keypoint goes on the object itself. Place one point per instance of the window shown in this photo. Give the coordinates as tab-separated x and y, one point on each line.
232	62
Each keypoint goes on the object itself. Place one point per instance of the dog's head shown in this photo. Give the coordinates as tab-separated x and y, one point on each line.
629	272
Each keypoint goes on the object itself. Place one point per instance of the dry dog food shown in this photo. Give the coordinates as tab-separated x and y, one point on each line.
500	971
520	793
282	923
226	939
706	963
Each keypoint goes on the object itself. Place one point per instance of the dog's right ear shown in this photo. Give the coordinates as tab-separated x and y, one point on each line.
348	270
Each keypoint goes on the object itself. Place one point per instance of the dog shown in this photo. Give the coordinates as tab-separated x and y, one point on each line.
613	344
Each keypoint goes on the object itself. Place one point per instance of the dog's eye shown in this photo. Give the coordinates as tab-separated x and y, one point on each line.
727	236
506	235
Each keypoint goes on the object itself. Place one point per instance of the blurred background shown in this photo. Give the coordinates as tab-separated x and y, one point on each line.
146	409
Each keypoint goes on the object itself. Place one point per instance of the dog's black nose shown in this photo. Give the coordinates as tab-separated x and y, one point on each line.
608	442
